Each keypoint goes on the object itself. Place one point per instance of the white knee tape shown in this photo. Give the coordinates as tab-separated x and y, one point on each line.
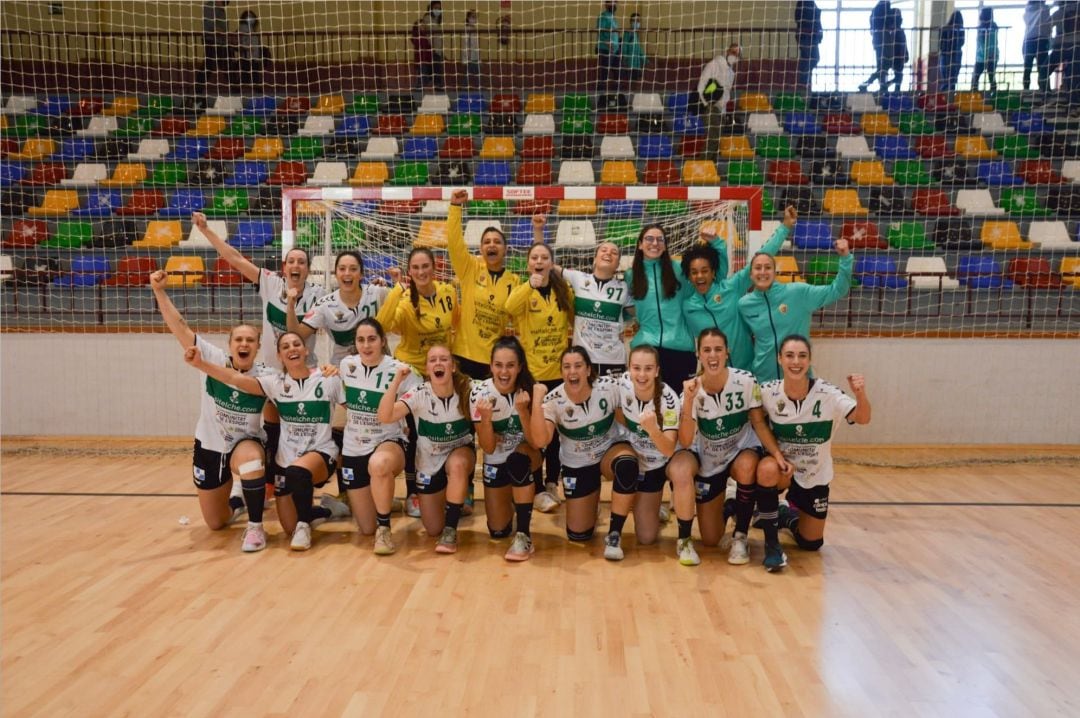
248	468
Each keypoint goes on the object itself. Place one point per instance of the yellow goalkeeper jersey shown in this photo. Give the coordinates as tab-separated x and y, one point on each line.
542	327
432	322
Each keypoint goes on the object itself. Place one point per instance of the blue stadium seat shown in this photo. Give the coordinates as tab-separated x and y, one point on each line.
874	271
1028	123
521	233
248	173
897	103
810	234
259	106
491	172
54	106
252	233
378	265
981	272
11	173
75	149
99	203
679	103
86	271
802	123
183	202
997	173
420	148
354	126
622	207
893	147
474	103
654	147
688	124
189	149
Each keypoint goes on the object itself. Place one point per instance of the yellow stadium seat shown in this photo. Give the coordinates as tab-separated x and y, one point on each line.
700	172
329	105
208	126
878	123
265	148
540	103
1003	235
974	147
160	233
184	271
619	172
432	233
126	174
971	102
428	125
787	269
121	106
34	149
725	231
869	172
1070	271
497	148
755	102
56	201
576	206
3	122
843	201
370	174
736	148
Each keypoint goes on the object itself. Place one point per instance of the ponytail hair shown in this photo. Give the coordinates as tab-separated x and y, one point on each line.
658	384
558	285
584	354
525	380
414	293
378	327
639	286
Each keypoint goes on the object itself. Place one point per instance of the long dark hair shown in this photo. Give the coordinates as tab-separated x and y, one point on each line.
584	354
414	293
378	327
640	286
525	380
558	285
658	384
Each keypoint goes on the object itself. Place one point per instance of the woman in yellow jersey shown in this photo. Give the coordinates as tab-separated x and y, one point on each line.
426	318
485	285
542	310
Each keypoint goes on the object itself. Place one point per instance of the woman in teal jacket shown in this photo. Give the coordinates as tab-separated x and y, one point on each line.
714	303
774	310
658	298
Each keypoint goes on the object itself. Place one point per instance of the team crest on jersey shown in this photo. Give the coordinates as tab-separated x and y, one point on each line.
438	321
780	406
570	413
587	285
339	315
491	297
783	308
286	389
718	298
700	402
352	370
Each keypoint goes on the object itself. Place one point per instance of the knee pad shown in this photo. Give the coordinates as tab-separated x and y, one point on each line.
625	469
338	435
807	544
503	532
580	536
297	477
517	465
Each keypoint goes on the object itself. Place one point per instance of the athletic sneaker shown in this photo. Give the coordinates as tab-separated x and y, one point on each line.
665	513
338	509
521	549
412	506
470	500
397	506
740	551
613	547
254	538
384	544
775	558
545	502
301	538
552	488
687	554
447	541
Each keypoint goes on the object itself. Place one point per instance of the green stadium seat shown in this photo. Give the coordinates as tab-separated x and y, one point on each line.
788	102
229	202
908	235
246	127
70	235
1023	201
156	106
773	147
136	127
915	123
1015	147
363	105
577	124
168	174
576	103
623	232
744	172
465	124
304	148
666	207
410	174
911	172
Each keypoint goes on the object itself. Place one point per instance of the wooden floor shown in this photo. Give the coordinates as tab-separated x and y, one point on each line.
940	592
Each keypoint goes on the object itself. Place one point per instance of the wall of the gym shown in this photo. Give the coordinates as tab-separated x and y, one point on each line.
923	391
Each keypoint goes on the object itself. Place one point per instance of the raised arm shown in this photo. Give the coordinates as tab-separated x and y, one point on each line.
173	319
391	409
523	402
665	441
861	413
243	382
841	283
740	281
485	430
228	252
687	423
292	323
461	261
542	428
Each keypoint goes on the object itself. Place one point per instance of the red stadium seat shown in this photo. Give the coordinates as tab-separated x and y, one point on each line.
223	275
505	104
46	174
26	233
840	123
132	272
228	148
534	172
861	234
612	125
1034	272
693	147
390	125
661	172
933	147
787	172
288	174
933	203
457	148
538	148
172	127
1038	172
143	201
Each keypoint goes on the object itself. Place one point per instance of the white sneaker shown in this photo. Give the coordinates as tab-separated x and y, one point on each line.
412	506
613	547
545	503
254	538
521	549
447	541
665	513
301	538
688	555
338	509
740	551
553	488
384	543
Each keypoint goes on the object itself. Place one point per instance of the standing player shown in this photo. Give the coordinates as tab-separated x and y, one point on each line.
485	285
306	454
803	412
500	410
229	450
582	410
445	457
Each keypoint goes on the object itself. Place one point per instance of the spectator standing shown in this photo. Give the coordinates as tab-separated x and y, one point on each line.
1070	55
1037	31
894	50
252	53
808	35
470	50
950	52
633	52
986	49
714	91
216	53
607	44
427	41
878	17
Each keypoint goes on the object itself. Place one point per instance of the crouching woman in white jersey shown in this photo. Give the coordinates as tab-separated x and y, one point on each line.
649	410
229	437
803	412
582	410
445	456
374	453
306	453
500	409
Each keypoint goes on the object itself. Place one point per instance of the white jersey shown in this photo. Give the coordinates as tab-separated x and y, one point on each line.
804	428
649	457
504	419
339	319
723	421
364	388
305	407
440	428
586	430
226	414
598	315
272	295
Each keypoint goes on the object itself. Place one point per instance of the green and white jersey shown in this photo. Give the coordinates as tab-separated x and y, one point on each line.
804	429
598	315
226	414
305	406
364	388
440	428
649	457
272	295
723	421
504	419
339	319
588	429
